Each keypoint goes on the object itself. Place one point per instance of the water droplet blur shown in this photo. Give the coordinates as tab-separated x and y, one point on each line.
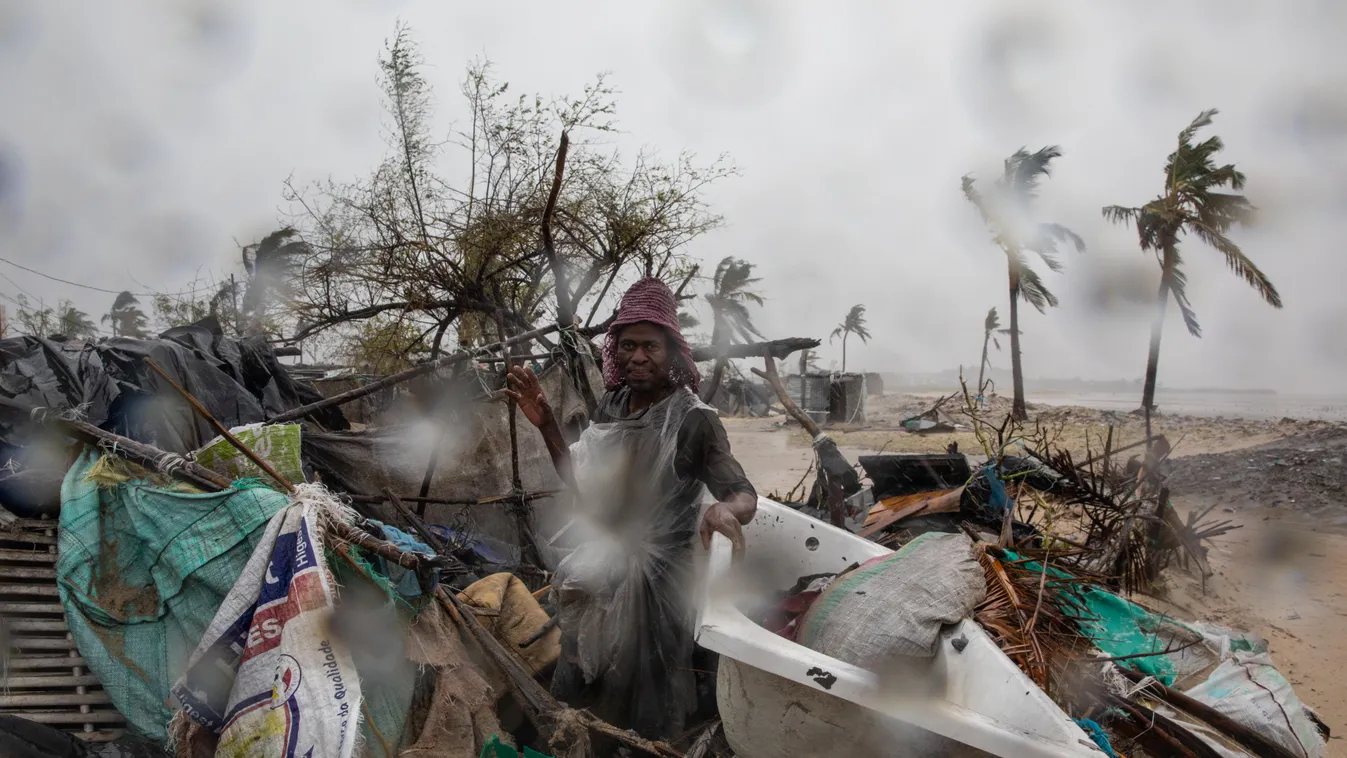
1011	68
731	51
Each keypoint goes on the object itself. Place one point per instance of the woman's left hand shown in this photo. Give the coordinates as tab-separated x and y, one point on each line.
721	518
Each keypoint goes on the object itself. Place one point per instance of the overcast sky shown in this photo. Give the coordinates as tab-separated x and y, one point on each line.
141	141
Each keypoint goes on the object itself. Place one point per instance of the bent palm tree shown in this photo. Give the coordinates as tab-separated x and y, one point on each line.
731	292
1005	211
270	265
808	361
1189	204
854	323
991	327
126	317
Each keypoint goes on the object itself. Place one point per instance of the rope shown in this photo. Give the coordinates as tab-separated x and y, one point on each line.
169	463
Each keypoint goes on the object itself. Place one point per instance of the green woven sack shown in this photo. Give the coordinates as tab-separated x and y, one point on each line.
141	572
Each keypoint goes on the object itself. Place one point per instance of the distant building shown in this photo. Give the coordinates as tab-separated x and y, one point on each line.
830	398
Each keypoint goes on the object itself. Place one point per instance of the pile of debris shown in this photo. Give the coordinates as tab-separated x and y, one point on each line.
1062	543
198	551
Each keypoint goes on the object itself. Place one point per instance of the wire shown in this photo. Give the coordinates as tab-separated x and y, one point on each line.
91	287
72	284
21	290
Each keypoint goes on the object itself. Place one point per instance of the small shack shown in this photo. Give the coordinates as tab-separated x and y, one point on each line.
828	397
874	384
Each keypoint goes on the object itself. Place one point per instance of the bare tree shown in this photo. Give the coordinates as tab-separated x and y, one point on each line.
462	259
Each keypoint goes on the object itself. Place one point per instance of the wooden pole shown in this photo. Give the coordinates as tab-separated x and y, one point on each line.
786	402
833	490
220	428
1236	731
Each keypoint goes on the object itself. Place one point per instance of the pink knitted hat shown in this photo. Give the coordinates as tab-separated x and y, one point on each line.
652	301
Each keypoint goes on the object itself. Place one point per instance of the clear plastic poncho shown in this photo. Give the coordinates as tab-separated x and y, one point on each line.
624	593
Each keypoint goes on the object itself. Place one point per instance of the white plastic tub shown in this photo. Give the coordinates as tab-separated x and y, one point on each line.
778	698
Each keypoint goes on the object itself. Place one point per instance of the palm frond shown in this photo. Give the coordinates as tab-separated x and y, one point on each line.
721	268
1177	282
970	192
838	332
1023	170
1221	210
124	300
1034	291
740	322
862	332
1148	221
1049	235
1050	258
1239	263
1118	214
992	322
1203	119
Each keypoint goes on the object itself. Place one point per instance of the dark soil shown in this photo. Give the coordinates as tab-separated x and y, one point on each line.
1306	474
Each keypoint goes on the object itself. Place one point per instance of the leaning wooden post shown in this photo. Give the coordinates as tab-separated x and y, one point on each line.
836	508
221	429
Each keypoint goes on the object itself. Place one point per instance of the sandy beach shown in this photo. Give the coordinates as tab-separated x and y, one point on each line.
1281	575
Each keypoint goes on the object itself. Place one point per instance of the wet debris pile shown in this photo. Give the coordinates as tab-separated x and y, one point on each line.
1064	539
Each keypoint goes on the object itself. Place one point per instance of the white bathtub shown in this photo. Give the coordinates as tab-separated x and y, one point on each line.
779	699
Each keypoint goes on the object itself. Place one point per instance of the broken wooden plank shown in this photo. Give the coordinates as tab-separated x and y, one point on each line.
891	510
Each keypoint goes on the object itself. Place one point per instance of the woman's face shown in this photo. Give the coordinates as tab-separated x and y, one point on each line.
643	356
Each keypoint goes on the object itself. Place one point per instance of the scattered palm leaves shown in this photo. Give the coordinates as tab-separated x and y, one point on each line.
1026	615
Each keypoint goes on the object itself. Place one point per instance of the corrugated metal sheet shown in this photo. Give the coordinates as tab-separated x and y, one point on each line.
46	680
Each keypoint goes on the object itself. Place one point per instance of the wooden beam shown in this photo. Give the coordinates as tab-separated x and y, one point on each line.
403	376
777	349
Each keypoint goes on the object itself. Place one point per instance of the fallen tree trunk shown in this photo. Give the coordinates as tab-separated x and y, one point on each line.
787	402
777	349
830	473
402	376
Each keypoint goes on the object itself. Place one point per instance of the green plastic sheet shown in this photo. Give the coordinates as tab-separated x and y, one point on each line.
141	571
1117	626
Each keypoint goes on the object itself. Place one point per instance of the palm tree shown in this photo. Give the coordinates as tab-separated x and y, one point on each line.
991	327
126	317
270	265
1189	204
731	292
1006	213
808	361
854	323
72	322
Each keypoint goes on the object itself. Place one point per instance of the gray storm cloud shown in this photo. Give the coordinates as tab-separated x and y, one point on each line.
143	141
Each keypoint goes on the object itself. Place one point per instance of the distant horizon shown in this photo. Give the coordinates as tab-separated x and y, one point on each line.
1002	378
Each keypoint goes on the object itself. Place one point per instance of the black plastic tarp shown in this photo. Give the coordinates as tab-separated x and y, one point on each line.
110	385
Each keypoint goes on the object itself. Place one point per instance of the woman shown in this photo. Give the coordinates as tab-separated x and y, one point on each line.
638	474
